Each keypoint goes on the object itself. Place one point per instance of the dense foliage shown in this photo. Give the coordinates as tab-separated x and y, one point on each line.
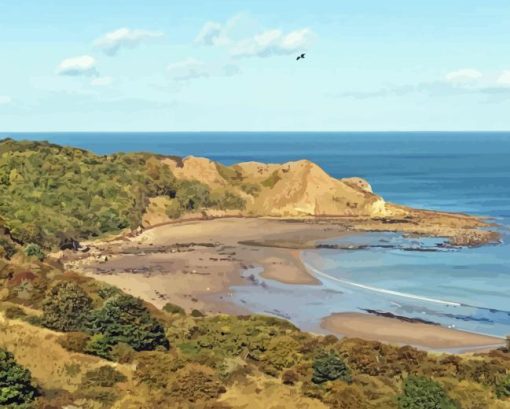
330	367
124	319
66	307
52	192
424	393
16	387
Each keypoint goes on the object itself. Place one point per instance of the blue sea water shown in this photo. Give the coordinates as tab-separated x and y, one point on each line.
462	172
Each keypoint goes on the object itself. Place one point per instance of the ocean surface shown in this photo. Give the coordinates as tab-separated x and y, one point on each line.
462	172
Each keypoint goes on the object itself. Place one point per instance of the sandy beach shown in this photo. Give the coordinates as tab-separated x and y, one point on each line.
395	331
195	263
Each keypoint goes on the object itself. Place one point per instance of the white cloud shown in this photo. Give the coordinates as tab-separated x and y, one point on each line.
504	79
101	81
4	100
246	44
211	33
113	41
466	76
76	66
274	42
192	69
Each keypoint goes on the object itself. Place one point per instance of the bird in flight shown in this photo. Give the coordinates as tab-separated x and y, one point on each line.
300	56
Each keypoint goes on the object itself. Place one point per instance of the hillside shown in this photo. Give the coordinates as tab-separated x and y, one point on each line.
69	341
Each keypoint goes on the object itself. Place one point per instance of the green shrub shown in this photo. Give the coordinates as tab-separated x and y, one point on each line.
154	368
227	201
503	388
16	386
197	314
192	195
125	319
251	189
272	180
74	341
34	250
424	393
173	309
330	367
100	345
66	307
122	353
14	313
104	376
196	383
173	210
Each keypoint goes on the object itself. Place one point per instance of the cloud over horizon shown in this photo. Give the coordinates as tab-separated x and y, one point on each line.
111	43
84	65
465	81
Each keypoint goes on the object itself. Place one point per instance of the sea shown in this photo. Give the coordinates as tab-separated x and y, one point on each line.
469	172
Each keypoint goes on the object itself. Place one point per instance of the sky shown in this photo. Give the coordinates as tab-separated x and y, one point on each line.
230	65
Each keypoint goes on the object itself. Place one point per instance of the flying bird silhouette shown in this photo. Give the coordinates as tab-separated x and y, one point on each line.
300	56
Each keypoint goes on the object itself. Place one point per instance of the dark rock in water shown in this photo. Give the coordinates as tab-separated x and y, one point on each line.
399	317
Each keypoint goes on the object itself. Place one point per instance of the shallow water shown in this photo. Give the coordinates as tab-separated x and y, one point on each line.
461	172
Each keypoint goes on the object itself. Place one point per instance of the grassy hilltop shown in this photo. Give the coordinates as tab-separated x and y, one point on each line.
70	341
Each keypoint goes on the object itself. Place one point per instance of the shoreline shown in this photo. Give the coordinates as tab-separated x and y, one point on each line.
195	263
395	331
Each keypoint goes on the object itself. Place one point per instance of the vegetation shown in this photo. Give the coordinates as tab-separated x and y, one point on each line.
124	319
52	194
330	367
16	389
66	307
107	349
424	393
272	180
34	250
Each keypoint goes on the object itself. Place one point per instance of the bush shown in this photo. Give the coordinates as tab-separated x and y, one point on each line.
503	388
424	393
196	383
74	341
15	382
7	249
122	353
66	307
227	201
251	189
125	319
153	368
197	314
14	313
330	367
345	396
173	210
104	376
173	309
192	195
34	250
290	377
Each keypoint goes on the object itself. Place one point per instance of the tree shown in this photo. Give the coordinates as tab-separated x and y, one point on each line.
125	319
66	307
330	367
424	393
16	387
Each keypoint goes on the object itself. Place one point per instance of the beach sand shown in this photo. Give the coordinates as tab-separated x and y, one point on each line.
395	331
195	263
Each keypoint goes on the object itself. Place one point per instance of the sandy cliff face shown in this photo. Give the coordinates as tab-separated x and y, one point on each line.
292	189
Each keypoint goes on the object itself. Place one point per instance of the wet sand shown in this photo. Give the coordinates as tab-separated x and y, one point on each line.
395	331
195	263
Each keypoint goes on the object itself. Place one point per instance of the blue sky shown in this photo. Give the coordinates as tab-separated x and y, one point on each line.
196	65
